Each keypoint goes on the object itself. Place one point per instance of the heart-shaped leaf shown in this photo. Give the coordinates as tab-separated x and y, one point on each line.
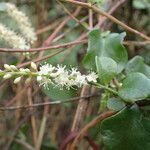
127	130
135	87
109	45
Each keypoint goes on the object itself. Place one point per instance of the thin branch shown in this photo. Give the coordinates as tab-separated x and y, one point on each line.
25	144
101	12
72	16
136	43
46	103
66	45
49	26
91	124
49	40
115	6
70	29
40	59
81	109
42	127
32	118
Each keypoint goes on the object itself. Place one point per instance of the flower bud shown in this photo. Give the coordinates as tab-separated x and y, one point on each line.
7	76
17	80
27	70
28	80
13	67
22	69
33	66
6	66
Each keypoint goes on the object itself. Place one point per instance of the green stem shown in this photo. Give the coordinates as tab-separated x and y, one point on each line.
98	85
13	73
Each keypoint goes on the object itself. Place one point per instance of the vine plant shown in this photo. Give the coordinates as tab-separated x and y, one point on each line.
107	56
125	84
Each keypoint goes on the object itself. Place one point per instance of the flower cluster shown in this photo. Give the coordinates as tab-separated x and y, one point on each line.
26	36
12	38
22	21
59	76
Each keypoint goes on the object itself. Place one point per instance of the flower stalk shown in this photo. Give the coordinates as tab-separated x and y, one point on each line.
47	74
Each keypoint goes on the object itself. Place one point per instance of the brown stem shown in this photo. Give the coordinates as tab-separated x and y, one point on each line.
81	109
101	12
33	118
74	99
39	12
24	144
42	127
52	36
91	124
66	45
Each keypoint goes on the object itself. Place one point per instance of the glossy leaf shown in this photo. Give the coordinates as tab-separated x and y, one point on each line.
127	130
135	87
106	68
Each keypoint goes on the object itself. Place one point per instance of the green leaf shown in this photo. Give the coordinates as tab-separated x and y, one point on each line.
106	68
127	130
115	104
94	45
112	47
137	64
138	4
56	94
108	46
135	87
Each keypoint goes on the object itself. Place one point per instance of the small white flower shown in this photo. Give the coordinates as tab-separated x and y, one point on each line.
61	77
46	69
74	72
44	81
39	78
60	70
80	80
92	77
